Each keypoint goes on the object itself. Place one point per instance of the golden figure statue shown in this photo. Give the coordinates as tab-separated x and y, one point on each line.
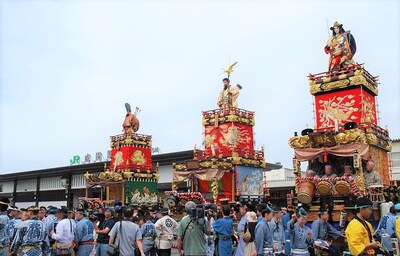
227	98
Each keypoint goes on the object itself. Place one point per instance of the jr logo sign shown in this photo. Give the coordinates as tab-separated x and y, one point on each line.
75	160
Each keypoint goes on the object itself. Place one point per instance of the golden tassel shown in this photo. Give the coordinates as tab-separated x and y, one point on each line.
360	177
214	189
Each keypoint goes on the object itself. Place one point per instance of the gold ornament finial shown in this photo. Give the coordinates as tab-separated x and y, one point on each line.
229	70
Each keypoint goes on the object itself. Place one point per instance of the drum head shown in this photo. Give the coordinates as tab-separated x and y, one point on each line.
304	198
172	200
342	187
324	188
196	200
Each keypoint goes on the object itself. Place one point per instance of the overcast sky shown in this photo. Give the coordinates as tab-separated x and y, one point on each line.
68	67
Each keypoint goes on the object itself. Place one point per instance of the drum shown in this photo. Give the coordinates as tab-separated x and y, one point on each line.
172	200
324	187
196	199
306	192
184	199
342	187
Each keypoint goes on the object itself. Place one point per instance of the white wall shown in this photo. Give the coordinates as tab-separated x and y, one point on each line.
165	173
26	185
53	203
51	183
280	183
24	204
280	174
395	155
8	186
78	181
46	203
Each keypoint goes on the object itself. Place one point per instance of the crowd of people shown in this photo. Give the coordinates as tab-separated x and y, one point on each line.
260	231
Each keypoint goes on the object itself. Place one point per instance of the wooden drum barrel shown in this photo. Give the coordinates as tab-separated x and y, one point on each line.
342	187
306	192
324	187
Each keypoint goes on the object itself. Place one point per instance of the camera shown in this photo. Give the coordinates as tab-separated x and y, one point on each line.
198	212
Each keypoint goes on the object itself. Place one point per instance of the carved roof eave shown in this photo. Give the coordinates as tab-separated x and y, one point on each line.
347	137
225	163
343	81
228	115
117	177
138	140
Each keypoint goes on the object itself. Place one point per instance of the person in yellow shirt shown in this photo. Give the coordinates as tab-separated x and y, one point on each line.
397	220
359	231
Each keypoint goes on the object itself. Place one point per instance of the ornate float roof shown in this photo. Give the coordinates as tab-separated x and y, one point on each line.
350	76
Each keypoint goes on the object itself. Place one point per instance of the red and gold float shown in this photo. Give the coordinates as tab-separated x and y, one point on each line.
227	168
346	133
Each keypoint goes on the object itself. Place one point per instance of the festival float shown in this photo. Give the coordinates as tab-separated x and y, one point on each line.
346	134
130	177
227	168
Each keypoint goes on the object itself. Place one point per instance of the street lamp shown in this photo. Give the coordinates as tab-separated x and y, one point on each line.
65	182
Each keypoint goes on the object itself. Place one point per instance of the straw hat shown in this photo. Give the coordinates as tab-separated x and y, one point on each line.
251	217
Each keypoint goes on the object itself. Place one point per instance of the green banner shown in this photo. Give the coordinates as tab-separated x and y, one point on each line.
141	192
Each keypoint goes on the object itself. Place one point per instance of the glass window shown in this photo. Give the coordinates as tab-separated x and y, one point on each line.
396	163
395	155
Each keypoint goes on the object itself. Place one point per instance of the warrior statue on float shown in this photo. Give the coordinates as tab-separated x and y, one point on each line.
341	46
131	122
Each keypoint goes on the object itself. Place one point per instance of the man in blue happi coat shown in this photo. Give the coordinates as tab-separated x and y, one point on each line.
223	230
321	230
278	231
301	235
50	222
387	228
16	223
263	234
286	216
4	226
149	236
14	219
83	234
30	236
